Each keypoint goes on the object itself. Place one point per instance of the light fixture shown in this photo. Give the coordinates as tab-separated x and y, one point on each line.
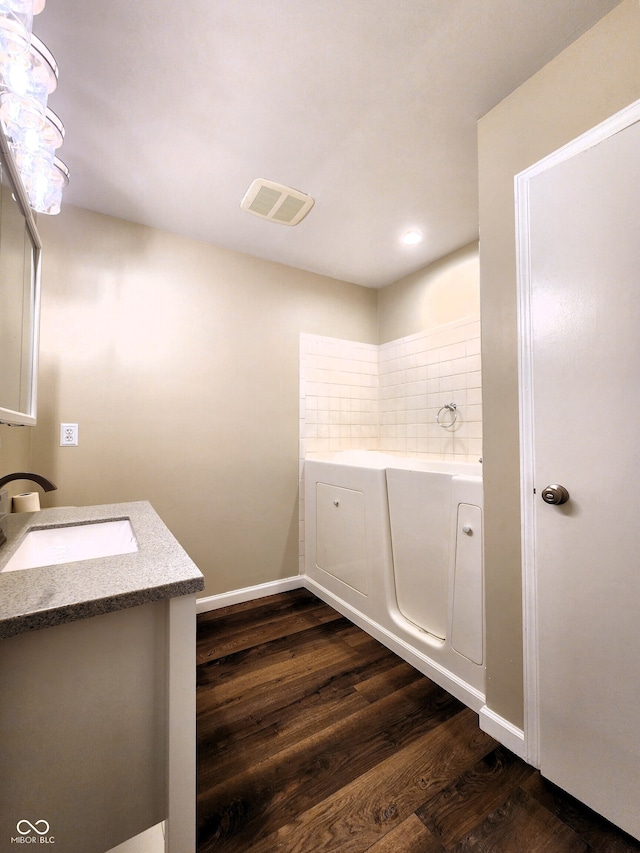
412	237
34	152
16	18
45	190
28	75
27	82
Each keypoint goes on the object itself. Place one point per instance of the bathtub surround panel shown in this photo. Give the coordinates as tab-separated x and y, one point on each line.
326	482
468	593
341	535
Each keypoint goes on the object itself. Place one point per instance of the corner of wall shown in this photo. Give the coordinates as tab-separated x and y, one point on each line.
439	293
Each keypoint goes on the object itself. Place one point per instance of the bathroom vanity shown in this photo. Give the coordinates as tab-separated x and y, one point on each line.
97	687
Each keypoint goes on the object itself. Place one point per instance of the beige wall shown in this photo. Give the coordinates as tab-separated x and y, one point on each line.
440	293
595	77
179	362
15	452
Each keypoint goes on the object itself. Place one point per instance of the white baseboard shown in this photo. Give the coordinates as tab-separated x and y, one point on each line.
459	688
502	730
248	593
473	698
151	841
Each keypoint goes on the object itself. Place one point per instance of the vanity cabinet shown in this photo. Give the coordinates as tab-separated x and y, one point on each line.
97	696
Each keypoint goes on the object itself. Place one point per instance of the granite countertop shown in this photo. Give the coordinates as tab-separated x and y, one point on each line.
40	597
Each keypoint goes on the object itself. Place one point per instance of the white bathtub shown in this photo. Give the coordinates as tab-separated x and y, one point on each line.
395	544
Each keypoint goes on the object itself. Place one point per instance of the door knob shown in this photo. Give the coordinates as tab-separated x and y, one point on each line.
555	494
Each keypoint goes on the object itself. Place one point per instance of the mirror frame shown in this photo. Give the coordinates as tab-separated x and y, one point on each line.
9	416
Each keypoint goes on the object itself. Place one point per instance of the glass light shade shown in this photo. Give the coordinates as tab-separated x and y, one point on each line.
38	6
44	64
45	189
35	169
22	111
25	85
34	152
53	130
48	138
59	180
16	17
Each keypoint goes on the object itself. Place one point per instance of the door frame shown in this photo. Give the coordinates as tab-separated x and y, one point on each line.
616	123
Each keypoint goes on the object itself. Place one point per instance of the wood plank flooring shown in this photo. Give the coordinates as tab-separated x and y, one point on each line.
314	738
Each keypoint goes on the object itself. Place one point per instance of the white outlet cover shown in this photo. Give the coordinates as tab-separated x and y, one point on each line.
68	435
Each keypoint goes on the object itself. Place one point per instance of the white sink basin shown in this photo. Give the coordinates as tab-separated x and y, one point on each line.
86	541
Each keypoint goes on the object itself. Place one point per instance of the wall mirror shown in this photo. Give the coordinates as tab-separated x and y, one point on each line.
20	250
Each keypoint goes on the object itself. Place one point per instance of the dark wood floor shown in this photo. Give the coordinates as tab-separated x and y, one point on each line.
312	737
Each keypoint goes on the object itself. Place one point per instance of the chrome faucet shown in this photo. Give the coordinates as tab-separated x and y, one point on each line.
41	481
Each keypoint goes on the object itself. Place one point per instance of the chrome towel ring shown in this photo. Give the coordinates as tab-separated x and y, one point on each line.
451	407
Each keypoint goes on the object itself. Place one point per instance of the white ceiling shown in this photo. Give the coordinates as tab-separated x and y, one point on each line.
370	106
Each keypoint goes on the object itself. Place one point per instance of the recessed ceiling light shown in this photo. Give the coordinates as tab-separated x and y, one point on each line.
411	237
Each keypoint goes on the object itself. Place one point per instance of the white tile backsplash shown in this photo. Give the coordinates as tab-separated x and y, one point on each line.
361	396
449	358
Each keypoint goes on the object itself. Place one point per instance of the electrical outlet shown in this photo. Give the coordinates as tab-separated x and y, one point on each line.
68	435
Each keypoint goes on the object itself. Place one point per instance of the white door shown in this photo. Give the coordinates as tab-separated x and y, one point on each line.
583	390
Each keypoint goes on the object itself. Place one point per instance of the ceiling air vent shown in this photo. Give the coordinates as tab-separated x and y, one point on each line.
276	202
